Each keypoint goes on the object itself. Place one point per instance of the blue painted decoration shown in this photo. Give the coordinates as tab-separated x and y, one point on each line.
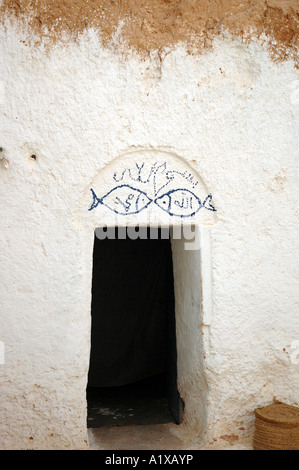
159	175
179	203
126	200
207	203
123	200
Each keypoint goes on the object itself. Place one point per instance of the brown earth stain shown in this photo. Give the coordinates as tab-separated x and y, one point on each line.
232	438
144	26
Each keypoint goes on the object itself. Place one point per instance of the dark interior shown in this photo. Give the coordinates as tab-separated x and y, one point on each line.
133	343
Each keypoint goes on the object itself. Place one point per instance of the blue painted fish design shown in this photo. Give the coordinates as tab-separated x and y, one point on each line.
207	203
183	203
126	200
179	202
123	200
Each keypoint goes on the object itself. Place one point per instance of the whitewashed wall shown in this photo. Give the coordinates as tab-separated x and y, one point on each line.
231	115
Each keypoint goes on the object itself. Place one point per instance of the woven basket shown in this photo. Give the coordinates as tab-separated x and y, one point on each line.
276	428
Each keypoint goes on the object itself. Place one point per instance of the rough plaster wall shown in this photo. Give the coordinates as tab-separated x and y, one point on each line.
191	375
229	114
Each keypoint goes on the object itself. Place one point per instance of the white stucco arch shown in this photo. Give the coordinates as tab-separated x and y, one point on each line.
155	173
164	190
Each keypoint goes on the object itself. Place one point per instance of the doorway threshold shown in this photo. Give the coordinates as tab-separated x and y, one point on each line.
138	404
135	437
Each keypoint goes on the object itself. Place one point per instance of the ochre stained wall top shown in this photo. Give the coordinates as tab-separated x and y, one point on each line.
145	25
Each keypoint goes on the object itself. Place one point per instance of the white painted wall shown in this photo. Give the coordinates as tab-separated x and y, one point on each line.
230	115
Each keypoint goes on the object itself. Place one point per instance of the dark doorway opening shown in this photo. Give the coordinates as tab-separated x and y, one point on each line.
133	362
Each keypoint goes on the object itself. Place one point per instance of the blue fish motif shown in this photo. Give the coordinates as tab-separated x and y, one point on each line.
123	200
207	203
182	203
179	202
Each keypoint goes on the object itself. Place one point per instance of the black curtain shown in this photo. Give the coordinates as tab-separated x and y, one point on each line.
131	290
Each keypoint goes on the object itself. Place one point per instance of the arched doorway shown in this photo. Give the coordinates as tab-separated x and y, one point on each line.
151	189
